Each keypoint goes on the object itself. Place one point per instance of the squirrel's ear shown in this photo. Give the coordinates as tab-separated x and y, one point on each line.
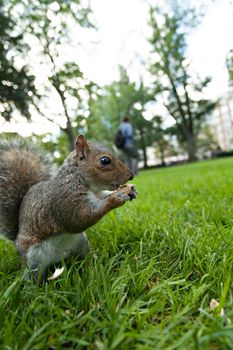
81	147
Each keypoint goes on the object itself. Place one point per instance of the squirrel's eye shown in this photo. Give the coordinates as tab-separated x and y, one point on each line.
105	161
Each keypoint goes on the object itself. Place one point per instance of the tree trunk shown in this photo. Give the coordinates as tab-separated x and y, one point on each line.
162	157
56	83
69	132
145	166
192	149
189	137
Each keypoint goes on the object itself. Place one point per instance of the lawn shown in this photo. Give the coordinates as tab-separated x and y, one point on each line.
155	265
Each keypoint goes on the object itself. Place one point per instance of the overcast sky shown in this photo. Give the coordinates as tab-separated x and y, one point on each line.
123	30
121	39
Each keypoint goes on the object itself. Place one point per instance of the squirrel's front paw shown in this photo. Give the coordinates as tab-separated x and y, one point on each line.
123	194
130	190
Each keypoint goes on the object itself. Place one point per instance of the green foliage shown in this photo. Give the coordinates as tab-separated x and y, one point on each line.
16	82
182	93
162	141
119	99
50	26
155	266
56	146
206	141
229	62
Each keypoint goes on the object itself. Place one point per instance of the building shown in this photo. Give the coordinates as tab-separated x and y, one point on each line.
221	122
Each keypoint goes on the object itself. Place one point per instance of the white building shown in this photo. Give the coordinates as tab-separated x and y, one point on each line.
221	122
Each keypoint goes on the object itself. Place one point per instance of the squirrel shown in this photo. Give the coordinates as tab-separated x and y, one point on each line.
46	214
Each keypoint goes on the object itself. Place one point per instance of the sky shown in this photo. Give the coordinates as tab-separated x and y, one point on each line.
121	38
123	31
210	44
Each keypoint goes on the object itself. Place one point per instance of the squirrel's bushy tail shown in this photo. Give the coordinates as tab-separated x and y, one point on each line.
21	166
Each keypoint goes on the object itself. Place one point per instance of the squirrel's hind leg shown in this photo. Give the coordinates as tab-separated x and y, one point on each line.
54	249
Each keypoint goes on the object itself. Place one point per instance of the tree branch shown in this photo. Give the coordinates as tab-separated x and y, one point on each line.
45	116
188	103
56	84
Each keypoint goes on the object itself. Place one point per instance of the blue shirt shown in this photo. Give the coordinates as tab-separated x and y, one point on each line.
127	131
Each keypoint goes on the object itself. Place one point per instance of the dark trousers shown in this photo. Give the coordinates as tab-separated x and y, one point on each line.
131	158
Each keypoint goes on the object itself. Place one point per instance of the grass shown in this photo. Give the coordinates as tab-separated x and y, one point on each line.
156	264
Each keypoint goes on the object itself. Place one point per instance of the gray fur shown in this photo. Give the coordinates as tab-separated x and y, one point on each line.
47	215
17	175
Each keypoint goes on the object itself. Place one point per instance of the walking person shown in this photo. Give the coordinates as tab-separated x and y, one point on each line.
125	141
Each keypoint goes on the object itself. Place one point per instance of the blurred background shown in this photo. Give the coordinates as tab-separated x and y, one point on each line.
69	67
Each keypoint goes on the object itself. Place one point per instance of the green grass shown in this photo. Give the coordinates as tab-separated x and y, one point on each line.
156	264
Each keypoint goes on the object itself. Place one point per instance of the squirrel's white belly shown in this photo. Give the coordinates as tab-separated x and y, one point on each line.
57	248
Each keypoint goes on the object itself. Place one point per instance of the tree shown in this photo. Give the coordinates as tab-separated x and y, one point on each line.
206	141
182	93
162	144
144	132
121	98
16	83
51	27
229	62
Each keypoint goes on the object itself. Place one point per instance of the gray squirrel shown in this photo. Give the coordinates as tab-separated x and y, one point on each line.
46	214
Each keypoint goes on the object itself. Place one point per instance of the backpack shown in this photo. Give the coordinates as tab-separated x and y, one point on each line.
120	139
